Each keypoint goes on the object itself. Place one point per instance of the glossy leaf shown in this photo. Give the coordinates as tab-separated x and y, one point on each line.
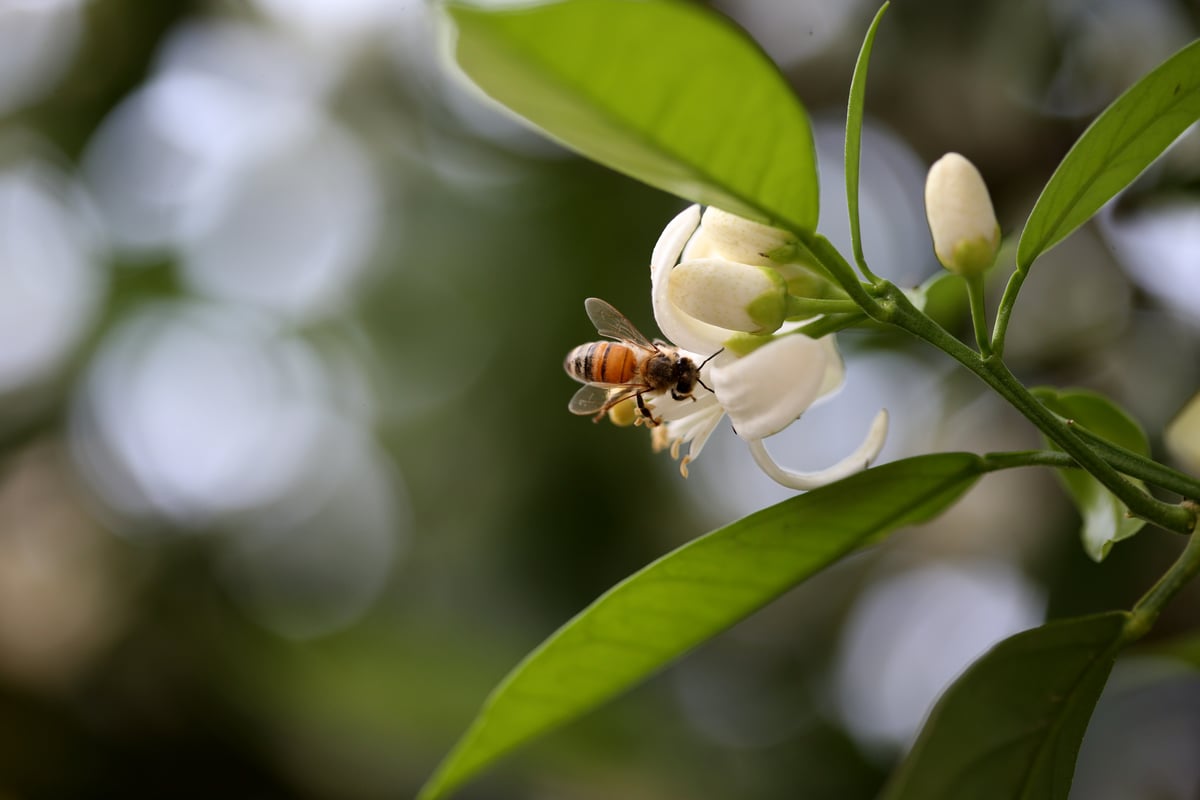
663	90
1114	150
694	593
854	121
1105	518
1010	727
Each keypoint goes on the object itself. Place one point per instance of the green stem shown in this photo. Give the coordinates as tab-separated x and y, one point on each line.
894	308
823	252
832	324
899	311
1028	458
1138	466
1007	302
805	307
1146	611
1124	461
975	292
1181	573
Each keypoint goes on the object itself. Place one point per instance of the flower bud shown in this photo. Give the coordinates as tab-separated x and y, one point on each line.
961	218
725	235
730	295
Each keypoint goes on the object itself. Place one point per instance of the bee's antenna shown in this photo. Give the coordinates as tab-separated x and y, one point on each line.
700	380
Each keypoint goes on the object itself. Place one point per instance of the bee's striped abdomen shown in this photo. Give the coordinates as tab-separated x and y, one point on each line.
602	362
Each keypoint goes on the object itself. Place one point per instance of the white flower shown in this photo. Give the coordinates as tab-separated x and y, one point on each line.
762	391
961	218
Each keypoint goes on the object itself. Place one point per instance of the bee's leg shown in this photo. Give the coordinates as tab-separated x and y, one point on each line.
641	404
677	396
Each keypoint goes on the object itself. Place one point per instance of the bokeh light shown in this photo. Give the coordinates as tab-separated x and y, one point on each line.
287	482
914	632
50	276
38	39
200	413
1160	248
1147	720
315	570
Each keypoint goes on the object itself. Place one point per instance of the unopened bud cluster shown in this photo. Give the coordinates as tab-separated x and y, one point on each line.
729	294
734	274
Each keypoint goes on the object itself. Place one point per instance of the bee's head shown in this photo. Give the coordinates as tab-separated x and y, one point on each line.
687	374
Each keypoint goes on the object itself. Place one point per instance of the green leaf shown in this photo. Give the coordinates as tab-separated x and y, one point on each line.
1114	150
694	593
662	90
854	120
1105	518
1010	727
943	296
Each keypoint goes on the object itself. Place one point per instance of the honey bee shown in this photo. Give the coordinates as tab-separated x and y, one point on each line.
630	366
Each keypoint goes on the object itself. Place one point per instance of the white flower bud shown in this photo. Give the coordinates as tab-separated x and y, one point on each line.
737	297
961	218
725	235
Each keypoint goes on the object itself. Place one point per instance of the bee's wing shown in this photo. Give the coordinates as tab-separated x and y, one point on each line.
593	398
613	324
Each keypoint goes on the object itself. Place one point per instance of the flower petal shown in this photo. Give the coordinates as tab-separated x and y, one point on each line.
668	408
685	423
739	297
671	241
768	389
677	327
733	238
835	370
701	428
857	461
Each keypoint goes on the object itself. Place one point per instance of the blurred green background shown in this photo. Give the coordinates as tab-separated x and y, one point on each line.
287	480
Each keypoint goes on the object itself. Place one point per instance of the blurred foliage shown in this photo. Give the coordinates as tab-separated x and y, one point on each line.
130	665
